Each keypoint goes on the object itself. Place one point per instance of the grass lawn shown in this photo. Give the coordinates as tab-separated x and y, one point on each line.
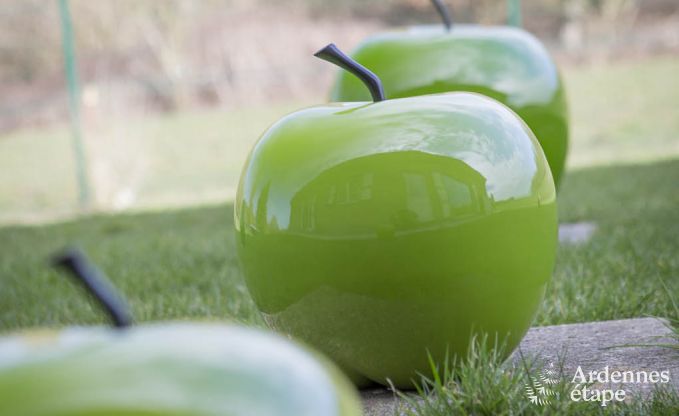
182	264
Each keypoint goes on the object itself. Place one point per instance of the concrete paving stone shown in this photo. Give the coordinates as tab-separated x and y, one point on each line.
591	346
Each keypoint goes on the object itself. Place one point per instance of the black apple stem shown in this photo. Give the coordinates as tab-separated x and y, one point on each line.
444	13
333	54
96	284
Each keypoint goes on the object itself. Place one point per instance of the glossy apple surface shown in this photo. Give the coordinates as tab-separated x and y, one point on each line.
175	369
377	231
505	63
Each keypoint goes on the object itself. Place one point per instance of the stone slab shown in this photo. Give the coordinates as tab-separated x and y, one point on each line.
592	346
576	232
623	345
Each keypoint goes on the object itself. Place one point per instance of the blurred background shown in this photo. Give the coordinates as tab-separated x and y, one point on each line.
171	95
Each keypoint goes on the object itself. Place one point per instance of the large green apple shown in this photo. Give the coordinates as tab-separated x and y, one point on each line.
168	369
376	232
505	63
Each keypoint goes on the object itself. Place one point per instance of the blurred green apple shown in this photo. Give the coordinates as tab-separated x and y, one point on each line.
178	369
186	369
502	62
376	232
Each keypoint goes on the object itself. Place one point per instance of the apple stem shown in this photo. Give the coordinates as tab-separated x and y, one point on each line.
96	284
333	54
444	13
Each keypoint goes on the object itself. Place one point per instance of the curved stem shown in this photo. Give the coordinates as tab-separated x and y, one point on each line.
443	12
96	284
333	54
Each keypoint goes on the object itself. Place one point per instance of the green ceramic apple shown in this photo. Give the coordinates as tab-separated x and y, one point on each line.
178	369
502	62
378	231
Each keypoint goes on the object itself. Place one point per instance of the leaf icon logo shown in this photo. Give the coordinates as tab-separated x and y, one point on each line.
538	391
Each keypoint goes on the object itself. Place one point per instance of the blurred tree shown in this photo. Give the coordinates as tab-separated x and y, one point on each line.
30	45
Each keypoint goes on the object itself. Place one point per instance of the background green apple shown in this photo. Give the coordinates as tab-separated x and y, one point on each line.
378	231
187	369
505	63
